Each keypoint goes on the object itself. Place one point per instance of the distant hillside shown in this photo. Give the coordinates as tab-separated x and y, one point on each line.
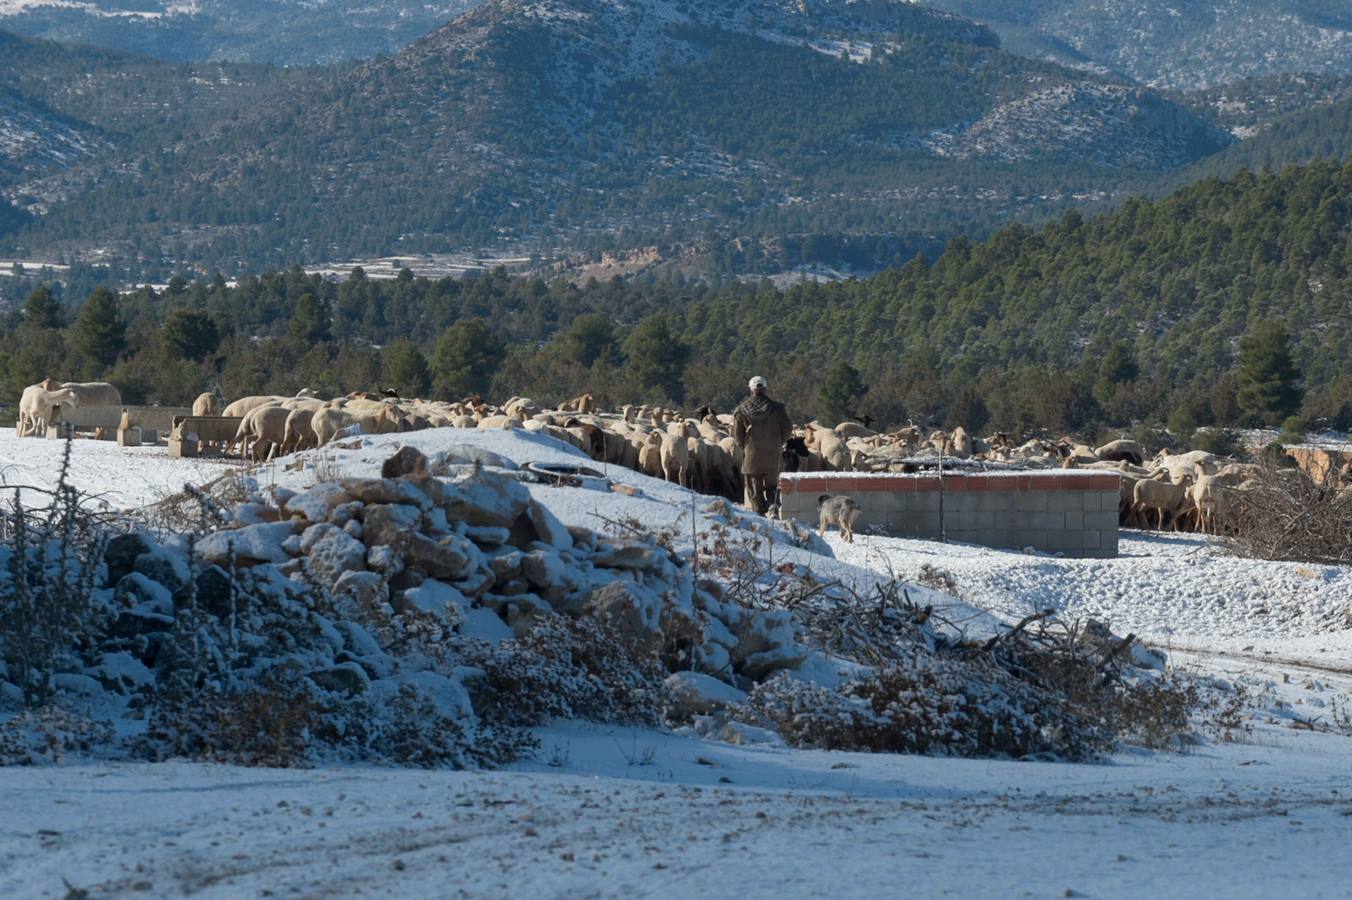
34	140
547	124
11	218
1183	44
1134	315
1320	133
1176	281
1246	107
282	32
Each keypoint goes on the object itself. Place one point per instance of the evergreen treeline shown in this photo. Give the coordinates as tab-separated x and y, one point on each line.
1228	303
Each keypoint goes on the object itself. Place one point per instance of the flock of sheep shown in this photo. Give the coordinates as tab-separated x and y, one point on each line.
1187	491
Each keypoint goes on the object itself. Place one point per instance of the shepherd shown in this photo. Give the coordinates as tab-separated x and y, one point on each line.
761	427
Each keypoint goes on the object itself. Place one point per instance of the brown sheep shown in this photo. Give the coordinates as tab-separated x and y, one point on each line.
327	422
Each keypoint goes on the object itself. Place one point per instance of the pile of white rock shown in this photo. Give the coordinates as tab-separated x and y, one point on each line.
476	554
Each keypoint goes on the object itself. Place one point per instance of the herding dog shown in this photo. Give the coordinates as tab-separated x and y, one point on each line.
842	512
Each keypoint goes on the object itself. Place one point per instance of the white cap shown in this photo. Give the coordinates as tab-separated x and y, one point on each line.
758	383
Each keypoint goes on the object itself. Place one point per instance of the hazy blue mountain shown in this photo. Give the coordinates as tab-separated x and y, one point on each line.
1183	44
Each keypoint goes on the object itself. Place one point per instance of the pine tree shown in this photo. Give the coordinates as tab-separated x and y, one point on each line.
840	393
1117	367
38	354
1269	382
466	357
310	321
587	338
657	356
190	334
404	368
100	333
41	309
968	410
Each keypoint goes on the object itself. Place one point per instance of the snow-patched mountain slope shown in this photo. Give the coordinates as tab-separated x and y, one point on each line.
284	32
34	140
1184	45
586	46
1087	122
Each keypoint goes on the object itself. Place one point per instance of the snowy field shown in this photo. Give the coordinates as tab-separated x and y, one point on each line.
607	812
1267	819
121	477
1175	591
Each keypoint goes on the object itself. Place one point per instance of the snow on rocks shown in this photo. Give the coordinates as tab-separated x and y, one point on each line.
696	694
478	551
250	544
358	584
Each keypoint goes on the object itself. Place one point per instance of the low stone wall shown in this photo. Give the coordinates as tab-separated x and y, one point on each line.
1073	513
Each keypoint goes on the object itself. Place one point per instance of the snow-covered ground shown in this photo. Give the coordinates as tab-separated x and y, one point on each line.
1266	819
121	477
608	812
1178	592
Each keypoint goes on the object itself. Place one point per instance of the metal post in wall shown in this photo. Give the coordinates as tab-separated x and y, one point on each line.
943	534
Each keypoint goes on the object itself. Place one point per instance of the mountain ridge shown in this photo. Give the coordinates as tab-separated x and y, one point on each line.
548	124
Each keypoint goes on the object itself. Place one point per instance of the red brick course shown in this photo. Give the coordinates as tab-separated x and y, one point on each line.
822	483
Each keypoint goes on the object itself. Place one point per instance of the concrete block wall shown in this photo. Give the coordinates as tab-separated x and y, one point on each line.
1073	513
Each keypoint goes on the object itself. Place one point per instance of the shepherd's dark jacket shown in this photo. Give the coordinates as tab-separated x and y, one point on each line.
761	426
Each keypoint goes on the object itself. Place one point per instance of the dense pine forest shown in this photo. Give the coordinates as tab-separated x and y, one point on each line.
1227	303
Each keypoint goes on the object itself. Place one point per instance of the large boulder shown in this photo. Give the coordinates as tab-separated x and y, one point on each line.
449	557
632	610
691	694
213	591
331	552
251	544
357	594
765	644
318	503
486	499
390	524
548	526
345	678
121	554
433	598
386	490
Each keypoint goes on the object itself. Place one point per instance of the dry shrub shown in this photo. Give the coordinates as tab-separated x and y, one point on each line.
565	668
1154	713
268	725
264	725
1285	515
415	733
47	735
49	570
936	708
